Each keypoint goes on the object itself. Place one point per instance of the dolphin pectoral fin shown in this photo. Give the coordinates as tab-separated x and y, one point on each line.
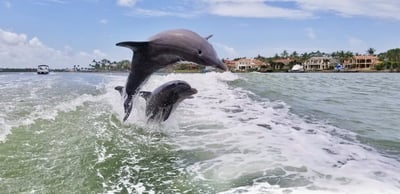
128	104
119	89
133	45
145	94
166	112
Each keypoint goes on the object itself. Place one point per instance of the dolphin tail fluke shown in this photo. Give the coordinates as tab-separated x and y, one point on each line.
126	116
120	89
128	105
133	45
145	94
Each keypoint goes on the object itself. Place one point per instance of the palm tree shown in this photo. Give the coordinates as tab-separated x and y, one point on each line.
342	56
393	56
294	55
304	57
124	64
285	54
371	51
348	55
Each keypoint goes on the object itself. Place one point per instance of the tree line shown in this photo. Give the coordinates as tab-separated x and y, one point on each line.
124	65
107	65
389	60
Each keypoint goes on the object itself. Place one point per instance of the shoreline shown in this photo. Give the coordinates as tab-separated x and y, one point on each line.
25	70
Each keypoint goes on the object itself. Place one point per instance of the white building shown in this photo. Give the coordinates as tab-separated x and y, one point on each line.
320	63
246	65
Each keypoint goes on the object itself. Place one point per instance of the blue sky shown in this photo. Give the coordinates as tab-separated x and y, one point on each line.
63	33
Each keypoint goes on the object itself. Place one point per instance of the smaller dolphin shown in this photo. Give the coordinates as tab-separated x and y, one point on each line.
164	99
161	50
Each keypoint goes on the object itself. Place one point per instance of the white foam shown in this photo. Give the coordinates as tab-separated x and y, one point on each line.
4	129
37	104
243	135
262	188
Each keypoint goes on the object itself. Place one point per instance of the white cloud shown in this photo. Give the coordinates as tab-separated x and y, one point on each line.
35	42
11	38
18	51
310	33
355	42
226	51
7	4
387	9
291	9
99	53
48	2
57	1
178	8
103	21
158	13
231	8
253	9
126	3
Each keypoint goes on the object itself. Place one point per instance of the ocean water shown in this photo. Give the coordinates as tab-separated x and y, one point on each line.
242	133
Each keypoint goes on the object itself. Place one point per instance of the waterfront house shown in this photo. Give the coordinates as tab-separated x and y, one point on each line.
282	64
320	63
244	65
361	62
230	64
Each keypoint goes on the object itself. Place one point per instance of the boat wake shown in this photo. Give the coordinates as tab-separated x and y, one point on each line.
224	140
231	140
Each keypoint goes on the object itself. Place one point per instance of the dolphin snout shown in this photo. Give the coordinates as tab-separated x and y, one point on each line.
191	93
221	65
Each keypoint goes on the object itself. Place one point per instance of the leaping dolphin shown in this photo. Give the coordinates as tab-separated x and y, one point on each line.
163	100
161	50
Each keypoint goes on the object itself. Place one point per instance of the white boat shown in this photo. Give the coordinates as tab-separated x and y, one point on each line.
43	69
297	68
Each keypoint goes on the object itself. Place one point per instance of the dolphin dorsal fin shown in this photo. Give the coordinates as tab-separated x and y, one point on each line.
133	45
145	94
120	89
208	37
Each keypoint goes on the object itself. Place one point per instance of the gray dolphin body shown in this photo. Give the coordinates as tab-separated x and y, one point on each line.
161	50
163	100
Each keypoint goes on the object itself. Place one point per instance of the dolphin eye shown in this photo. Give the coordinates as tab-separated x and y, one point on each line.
200	52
